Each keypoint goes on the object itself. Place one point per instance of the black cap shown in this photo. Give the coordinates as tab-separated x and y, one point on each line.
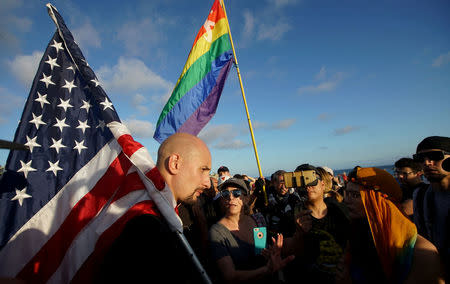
235	182
434	142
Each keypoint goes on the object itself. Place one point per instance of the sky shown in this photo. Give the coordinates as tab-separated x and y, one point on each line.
329	83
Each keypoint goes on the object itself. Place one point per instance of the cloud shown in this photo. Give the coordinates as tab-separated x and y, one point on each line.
273	31
130	75
283	124
328	84
24	67
138	36
9	103
138	102
232	144
324	117
212	133
10	24
249	24
345	130
282	3
442	60
140	128
322	74
87	36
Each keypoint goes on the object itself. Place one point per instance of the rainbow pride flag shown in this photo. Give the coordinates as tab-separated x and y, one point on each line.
196	95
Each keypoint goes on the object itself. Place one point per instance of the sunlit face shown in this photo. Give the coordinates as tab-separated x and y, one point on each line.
316	192
279	185
352	198
193	177
233	205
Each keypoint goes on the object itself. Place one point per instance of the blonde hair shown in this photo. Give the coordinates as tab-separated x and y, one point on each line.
326	178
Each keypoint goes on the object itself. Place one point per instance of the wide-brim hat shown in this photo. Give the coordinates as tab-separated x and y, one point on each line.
378	179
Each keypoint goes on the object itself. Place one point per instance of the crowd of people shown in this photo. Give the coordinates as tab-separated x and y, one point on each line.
305	226
371	227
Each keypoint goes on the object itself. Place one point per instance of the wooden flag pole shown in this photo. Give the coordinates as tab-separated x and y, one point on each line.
245	102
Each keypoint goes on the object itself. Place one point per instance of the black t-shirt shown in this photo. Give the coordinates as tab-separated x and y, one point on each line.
147	251
324	246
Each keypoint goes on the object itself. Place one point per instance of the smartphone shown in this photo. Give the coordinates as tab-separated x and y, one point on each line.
259	236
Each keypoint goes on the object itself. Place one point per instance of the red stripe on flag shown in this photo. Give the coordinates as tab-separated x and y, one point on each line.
42	266
129	146
89	268
216	15
155	176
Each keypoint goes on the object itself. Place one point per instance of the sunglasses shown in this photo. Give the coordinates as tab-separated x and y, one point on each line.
430	155
226	193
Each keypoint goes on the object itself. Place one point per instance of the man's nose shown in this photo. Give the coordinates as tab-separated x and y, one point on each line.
428	162
207	183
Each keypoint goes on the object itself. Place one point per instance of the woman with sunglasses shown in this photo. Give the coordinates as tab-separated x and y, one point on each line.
384	245
233	240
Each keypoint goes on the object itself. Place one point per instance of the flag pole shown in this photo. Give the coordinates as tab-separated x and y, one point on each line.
245	102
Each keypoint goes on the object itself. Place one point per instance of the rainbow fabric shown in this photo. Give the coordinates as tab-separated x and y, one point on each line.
393	233
196	95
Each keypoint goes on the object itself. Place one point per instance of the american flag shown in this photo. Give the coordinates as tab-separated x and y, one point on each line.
63	201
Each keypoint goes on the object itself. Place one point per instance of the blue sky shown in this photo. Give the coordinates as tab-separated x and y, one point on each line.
331	83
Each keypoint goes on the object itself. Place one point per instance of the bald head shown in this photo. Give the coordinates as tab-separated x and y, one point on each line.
184	144
184	161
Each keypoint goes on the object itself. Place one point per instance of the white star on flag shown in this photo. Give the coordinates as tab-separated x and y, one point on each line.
26	168
42	99
47	80
37	120
32	143
96	82
106	104
54	167
71	68
60	124
57	46
21	195
69	85
52	62
79	146
65	104
86	105
57	145
83	125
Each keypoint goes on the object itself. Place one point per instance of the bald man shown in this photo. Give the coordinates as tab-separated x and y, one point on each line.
147	250
184	162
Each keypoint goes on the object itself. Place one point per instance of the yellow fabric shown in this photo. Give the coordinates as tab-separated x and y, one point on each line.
393	233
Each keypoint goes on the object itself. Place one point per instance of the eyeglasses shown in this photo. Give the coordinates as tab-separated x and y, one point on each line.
430	155
226	193
404	174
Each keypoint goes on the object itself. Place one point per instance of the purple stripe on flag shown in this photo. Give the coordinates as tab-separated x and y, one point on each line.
207	109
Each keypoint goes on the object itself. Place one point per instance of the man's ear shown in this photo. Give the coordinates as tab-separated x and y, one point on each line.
174	163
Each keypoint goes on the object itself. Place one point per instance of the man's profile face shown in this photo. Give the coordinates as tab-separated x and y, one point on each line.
194	175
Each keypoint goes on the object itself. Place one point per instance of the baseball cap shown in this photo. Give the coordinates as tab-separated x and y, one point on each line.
235	182
328	170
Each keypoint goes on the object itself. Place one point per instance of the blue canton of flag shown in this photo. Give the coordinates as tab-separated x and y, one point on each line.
56	199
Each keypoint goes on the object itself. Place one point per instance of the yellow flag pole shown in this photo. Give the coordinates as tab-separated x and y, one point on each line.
245	102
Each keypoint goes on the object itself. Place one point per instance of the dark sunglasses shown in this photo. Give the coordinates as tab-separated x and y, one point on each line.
226	193
430	155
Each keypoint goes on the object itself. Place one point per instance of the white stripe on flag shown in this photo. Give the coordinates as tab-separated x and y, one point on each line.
29	239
